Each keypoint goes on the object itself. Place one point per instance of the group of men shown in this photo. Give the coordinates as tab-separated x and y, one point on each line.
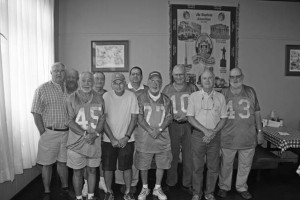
127	129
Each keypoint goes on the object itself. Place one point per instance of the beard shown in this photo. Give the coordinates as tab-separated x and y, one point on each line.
71	85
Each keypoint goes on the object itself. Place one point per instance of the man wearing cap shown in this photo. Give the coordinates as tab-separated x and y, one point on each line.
121	110
135	85
153	140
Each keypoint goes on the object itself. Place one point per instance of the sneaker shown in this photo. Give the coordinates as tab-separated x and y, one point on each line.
85	190
102	186
109	196
144	193
210	197
160	194
246	195
196	197
46	196
222	193
129	196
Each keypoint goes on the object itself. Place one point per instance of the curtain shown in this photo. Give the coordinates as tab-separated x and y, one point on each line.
26	54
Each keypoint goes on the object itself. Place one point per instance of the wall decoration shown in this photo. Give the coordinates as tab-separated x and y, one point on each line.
110	56
292	60
202	37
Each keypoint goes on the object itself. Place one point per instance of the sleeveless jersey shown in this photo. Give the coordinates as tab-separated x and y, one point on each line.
239	131
154	112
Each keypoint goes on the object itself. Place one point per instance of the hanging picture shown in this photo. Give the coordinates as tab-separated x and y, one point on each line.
204	37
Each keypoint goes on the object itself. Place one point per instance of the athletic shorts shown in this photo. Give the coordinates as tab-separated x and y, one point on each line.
79	161
111	155
52	147
143	160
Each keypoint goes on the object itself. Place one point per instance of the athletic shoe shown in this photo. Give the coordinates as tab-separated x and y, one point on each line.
160	194
210	197
109	196
246	195
196	197
129	196
222	193
144	193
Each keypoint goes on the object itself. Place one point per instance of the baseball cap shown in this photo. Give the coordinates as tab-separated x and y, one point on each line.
117	76
155	73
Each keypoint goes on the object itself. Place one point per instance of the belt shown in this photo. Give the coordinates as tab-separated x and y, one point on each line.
57	129
178	122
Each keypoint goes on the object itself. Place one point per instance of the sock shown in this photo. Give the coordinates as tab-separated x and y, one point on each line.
156	186
85	181
79	197
145	186
102	179
90	195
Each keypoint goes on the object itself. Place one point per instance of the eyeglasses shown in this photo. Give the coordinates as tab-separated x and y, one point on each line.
236	77
209	104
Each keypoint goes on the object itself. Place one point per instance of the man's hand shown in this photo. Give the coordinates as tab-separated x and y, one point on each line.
207	139
123	141
91	137
208	132
260	138
153	133
115	143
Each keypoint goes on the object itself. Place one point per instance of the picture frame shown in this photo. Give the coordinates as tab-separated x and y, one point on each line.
204	37
292	60
110	56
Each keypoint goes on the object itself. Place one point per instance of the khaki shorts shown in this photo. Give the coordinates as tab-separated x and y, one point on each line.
52	147
79	161
142	161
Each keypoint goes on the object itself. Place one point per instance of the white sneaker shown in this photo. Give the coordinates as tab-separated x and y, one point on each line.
144	193
102	185
85	190
160	194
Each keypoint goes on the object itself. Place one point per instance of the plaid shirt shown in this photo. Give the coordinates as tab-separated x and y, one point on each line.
49	101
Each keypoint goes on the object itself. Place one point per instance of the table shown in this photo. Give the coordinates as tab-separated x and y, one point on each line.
289	142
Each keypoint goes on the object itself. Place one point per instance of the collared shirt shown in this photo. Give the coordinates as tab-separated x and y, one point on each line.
139	91
208	109
49	101
132	88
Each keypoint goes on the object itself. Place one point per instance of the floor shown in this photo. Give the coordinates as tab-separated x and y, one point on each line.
279	184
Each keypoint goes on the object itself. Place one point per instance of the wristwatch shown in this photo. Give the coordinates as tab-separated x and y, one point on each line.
160	129
98	134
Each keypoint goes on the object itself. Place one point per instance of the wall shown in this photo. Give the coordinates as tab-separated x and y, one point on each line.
265	28
9	189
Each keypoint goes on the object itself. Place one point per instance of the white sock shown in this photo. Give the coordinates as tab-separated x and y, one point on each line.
90	195
85	181
145	186
156	186
79	197
102	179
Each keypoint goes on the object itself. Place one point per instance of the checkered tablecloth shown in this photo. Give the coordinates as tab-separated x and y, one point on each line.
282	142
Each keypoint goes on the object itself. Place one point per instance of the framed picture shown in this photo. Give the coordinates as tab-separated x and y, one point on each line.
292	60
204	37
110	56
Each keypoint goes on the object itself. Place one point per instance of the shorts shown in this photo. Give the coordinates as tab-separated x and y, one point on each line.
79	161
52	147
111	155
143	160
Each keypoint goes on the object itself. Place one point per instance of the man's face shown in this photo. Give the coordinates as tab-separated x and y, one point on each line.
99	80
236	78
86	82
154	85
58	74
135	76
207	80
118	86
178	75
72	79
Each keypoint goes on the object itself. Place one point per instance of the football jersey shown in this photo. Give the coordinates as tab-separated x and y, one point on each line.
85	115
239	131
154	112
179	98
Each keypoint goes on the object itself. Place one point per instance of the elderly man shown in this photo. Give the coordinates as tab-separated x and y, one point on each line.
121	109
207	114
72	77
135	85
153	140
85	108
180	130
99	82
240	135
50	116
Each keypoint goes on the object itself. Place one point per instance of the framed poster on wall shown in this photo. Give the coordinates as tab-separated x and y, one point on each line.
204	37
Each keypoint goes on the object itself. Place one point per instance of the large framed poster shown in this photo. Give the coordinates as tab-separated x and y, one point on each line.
204	37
